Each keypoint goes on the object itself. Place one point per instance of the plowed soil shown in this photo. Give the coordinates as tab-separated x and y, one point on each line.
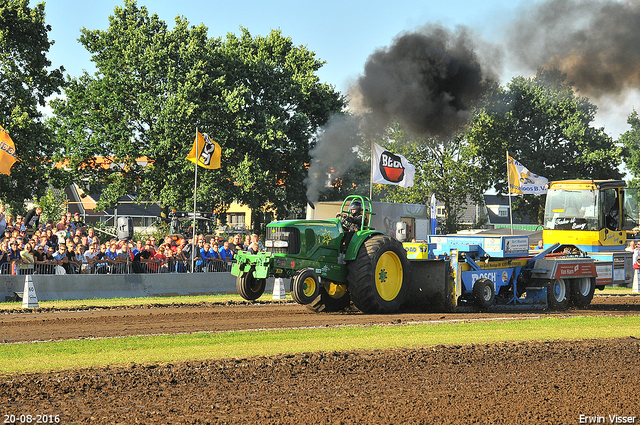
545	382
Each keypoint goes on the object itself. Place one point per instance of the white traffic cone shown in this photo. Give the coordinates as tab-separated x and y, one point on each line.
29	297
278	289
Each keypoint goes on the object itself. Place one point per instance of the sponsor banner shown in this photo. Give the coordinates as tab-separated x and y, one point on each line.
575	270
389	168
416	250
522	181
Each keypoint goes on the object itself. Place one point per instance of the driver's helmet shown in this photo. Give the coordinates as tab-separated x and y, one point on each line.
355	207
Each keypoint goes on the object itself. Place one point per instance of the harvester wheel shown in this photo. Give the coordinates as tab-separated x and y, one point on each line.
249	287
305	286
327	303
557	294
582	291
377	278
484	293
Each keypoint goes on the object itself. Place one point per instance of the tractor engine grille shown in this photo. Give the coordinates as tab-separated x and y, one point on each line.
283	240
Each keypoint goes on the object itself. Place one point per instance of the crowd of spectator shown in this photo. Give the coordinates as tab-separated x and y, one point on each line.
70	247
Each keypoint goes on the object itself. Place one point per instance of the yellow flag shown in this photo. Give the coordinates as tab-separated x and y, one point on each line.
7	152
522	181
207	152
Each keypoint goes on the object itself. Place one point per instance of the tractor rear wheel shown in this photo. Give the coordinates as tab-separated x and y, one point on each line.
333	297
305	286
557	294
582	291
249	287
377	278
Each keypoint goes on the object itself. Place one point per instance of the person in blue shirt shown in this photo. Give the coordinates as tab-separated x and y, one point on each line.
112	252
137	248
62	258
206	253
216	258
216	252
225	253
199	261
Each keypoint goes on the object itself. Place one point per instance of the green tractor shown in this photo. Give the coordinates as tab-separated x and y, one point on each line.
327	274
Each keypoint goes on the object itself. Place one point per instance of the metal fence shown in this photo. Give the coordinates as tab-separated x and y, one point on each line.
104	267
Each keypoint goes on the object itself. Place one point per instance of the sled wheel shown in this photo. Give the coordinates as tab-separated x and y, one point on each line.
376	278
249	287
305	286
484	293
582	290
557	294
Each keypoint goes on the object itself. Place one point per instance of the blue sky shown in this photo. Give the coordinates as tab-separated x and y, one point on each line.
342	33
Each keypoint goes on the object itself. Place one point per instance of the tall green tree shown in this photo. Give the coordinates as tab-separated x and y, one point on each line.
631	142
152	88
26	82
448	169
273	120
259	98
545	126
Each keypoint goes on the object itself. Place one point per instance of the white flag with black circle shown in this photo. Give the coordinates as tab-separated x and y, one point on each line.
390	168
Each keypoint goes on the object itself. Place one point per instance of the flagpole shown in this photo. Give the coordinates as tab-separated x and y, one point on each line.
509	187
371	174
195	197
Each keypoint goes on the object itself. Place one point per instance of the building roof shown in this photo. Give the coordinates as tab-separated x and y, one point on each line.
128	207
492	200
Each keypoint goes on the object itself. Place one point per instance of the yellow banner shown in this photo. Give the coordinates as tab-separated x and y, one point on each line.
523	181
7	152
205	152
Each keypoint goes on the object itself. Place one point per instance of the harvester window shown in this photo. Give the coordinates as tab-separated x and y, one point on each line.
611	209
630	205
571	210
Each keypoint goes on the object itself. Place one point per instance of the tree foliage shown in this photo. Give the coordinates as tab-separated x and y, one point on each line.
631	142
26	82
259	98
280	107
546	127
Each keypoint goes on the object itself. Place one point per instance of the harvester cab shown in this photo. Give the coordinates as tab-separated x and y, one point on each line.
592	215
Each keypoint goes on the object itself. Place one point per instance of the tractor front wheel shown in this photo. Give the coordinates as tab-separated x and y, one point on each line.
305	286
249	287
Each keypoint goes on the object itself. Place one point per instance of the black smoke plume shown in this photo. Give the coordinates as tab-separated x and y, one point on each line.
594	42
428	80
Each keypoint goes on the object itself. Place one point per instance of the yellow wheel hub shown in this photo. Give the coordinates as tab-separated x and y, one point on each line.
335	290
309	287
389	276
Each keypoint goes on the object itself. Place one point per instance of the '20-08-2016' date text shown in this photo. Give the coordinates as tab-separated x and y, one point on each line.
31	419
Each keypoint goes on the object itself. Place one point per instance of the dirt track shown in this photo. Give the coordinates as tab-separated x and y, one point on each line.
533	383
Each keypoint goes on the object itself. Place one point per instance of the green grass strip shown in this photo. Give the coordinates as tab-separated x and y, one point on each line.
55	356
126	302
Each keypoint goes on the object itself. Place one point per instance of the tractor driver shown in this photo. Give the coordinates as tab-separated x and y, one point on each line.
351	223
